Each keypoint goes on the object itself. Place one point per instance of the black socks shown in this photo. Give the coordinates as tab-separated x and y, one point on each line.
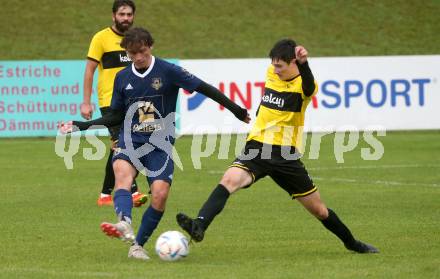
109	178
335	225
213	206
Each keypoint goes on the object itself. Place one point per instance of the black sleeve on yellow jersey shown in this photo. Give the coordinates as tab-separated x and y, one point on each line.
215	94
90	58
308	81
113	118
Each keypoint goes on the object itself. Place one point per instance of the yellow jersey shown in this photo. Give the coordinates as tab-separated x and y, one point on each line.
280	116
106	50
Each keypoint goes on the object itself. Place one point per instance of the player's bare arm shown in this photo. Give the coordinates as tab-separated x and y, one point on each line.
86	106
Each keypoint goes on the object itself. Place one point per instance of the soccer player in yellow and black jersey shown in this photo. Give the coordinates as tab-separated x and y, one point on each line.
272	148
106	54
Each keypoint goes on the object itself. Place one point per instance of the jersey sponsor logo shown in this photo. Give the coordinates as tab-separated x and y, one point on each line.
284	101
124	58
115	59
149	118
271	99
146	127
129	87
156	83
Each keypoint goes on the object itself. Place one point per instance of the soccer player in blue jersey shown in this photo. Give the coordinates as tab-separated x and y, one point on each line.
144	101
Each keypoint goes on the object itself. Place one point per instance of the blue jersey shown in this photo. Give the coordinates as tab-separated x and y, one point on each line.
149	99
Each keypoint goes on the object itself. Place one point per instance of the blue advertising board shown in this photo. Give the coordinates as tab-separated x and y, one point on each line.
36	95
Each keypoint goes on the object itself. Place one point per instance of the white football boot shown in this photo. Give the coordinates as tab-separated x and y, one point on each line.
137	252
121	230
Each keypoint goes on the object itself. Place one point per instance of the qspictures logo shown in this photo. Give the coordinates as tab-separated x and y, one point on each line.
204	146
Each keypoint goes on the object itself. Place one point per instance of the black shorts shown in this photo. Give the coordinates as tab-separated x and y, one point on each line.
290	174
114	130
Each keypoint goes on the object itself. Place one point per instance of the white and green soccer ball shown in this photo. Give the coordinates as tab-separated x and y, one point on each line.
172	246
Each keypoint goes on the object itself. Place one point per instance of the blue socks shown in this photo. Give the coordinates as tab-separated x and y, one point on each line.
150	220
123	205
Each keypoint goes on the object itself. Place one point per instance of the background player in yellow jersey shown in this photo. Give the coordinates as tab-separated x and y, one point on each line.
106	54
271	148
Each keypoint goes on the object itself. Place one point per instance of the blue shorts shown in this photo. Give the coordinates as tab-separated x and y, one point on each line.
156	164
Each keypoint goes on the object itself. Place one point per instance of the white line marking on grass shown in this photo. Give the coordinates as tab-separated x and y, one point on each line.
376	167
379	182
60	274
355	167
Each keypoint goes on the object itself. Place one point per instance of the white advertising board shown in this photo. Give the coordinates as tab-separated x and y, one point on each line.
355	93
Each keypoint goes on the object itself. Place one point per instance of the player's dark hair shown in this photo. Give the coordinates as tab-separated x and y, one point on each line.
119	3
137	35
283	50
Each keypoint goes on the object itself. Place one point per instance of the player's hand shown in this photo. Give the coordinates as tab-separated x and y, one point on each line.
86	111
301	54
242	114
114	145
65	127
247	119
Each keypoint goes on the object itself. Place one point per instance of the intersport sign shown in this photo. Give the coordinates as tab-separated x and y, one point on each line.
355	93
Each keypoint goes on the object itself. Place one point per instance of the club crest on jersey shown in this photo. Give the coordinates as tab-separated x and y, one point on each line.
156	83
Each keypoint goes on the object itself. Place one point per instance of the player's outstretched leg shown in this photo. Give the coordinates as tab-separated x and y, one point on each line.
150	219
336	226
123	206
211	208
331	221
149	223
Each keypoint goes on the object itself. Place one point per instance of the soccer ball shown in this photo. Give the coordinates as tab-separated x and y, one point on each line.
171	246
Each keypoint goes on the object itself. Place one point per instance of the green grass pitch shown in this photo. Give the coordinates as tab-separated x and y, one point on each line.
190	29
50	221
